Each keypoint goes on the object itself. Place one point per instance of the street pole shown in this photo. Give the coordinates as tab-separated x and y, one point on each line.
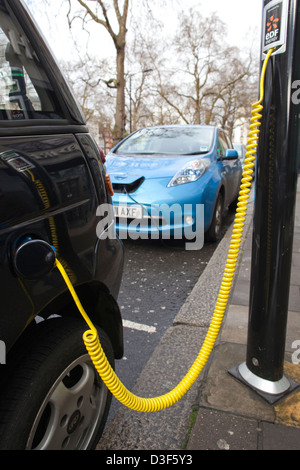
274	213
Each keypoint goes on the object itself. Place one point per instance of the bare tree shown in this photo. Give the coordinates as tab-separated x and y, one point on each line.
232	102
196	77
209	71
143	52
113	16
107	14
95	100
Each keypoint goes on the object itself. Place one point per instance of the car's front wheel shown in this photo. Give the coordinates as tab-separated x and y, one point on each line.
215	230
54	398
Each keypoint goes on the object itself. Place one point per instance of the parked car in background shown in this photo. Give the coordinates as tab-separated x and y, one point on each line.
241	150
52	180
173	166
102	155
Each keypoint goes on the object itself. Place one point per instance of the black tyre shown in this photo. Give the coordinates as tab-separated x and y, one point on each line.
233	204
54	398
214	232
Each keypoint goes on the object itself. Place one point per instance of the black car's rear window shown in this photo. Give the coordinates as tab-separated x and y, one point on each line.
25	90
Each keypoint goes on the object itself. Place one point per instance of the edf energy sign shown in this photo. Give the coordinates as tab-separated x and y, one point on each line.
275	26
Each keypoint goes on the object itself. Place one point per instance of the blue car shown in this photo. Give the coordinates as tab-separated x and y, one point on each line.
173	181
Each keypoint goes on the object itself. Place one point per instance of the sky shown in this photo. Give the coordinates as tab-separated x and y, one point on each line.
240	16
243	22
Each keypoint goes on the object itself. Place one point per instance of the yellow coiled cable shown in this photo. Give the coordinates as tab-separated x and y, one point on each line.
91	339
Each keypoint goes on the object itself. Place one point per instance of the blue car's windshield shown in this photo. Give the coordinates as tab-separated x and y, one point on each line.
168	140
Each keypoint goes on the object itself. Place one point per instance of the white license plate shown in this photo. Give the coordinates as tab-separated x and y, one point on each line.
128	212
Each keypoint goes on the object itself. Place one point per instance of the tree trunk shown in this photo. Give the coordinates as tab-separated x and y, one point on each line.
120	118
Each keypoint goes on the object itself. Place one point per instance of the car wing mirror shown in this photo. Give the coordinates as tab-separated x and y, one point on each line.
231	154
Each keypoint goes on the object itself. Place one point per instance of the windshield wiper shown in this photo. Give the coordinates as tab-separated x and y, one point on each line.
135	153
197	153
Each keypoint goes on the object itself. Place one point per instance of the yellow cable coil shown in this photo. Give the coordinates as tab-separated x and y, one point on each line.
90	337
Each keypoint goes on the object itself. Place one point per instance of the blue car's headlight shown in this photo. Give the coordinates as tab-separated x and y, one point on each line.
192	171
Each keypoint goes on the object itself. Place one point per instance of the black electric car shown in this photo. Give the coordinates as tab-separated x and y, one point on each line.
52	181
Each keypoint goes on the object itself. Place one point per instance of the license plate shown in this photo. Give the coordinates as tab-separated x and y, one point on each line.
128	212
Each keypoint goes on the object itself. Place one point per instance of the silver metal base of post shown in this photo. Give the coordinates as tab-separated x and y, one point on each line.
270	391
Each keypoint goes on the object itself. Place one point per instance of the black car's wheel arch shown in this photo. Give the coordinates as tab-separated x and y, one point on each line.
100	306
32	365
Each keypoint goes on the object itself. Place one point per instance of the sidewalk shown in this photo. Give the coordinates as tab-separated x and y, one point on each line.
226	413
230	414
